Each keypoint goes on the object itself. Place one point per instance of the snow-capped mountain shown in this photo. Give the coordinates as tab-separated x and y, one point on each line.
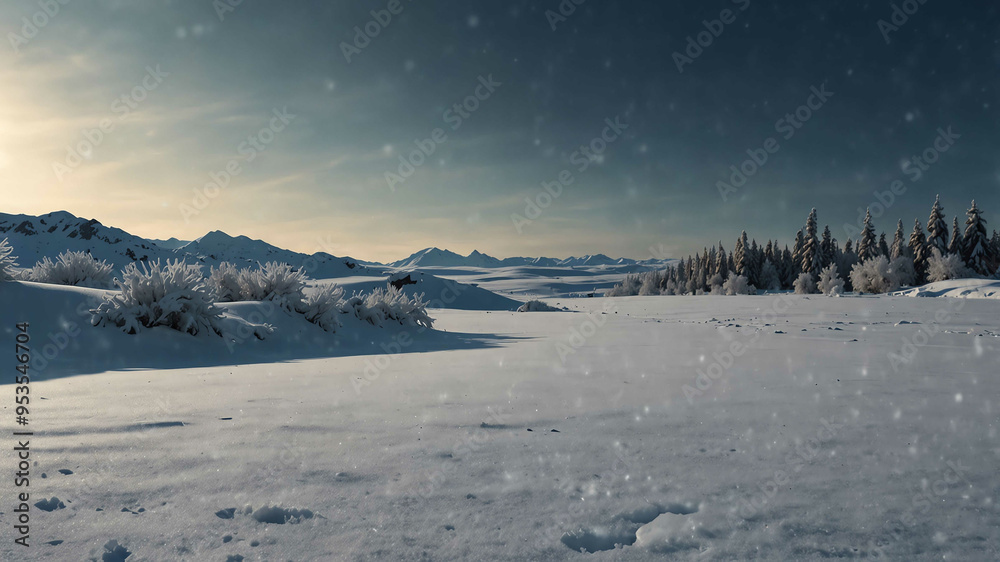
48	235
435	257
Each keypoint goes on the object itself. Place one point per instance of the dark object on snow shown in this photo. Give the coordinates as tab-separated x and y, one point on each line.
401	282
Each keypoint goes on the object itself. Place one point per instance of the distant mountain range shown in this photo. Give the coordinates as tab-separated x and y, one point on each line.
436	257
34	237
47	235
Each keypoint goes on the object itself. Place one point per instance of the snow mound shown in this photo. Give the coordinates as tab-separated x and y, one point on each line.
956	288
437	292
669	532
538	306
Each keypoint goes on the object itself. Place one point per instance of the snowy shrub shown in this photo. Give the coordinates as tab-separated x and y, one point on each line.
630	286
805	284
944	267
874	276
273	281
172	295
738	285
390	304
225	282
7	261
536	306
650	283
73	268
830	282
325	306
715	285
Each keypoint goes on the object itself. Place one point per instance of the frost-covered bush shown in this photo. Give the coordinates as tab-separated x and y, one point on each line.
73	268
804	284
830	282
738	285
944	267
715	285
225	282
390	304
7	261
173	295
628	287
273	281
650	283
536	306
874	276
325	306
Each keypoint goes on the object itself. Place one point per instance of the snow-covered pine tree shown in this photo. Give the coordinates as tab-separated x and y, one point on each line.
811	258
827	248
740	255
754	261
883	246
899	248
937	228
867	245
845	265
920	250
722	262
797	248
787	269
769	252
976	248
955	246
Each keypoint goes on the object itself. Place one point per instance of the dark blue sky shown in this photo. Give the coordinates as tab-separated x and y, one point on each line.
323	177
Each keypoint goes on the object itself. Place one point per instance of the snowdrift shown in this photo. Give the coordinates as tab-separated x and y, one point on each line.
956	288
65	343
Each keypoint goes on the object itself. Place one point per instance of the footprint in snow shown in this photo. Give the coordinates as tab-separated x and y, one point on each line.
114	552
51	504
623	528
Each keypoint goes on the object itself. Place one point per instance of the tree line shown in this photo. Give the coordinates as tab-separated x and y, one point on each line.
817	262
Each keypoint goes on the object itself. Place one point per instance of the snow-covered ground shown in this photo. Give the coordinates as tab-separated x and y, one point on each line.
963	288
775	427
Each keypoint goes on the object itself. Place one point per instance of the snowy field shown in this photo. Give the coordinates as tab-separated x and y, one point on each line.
681	428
